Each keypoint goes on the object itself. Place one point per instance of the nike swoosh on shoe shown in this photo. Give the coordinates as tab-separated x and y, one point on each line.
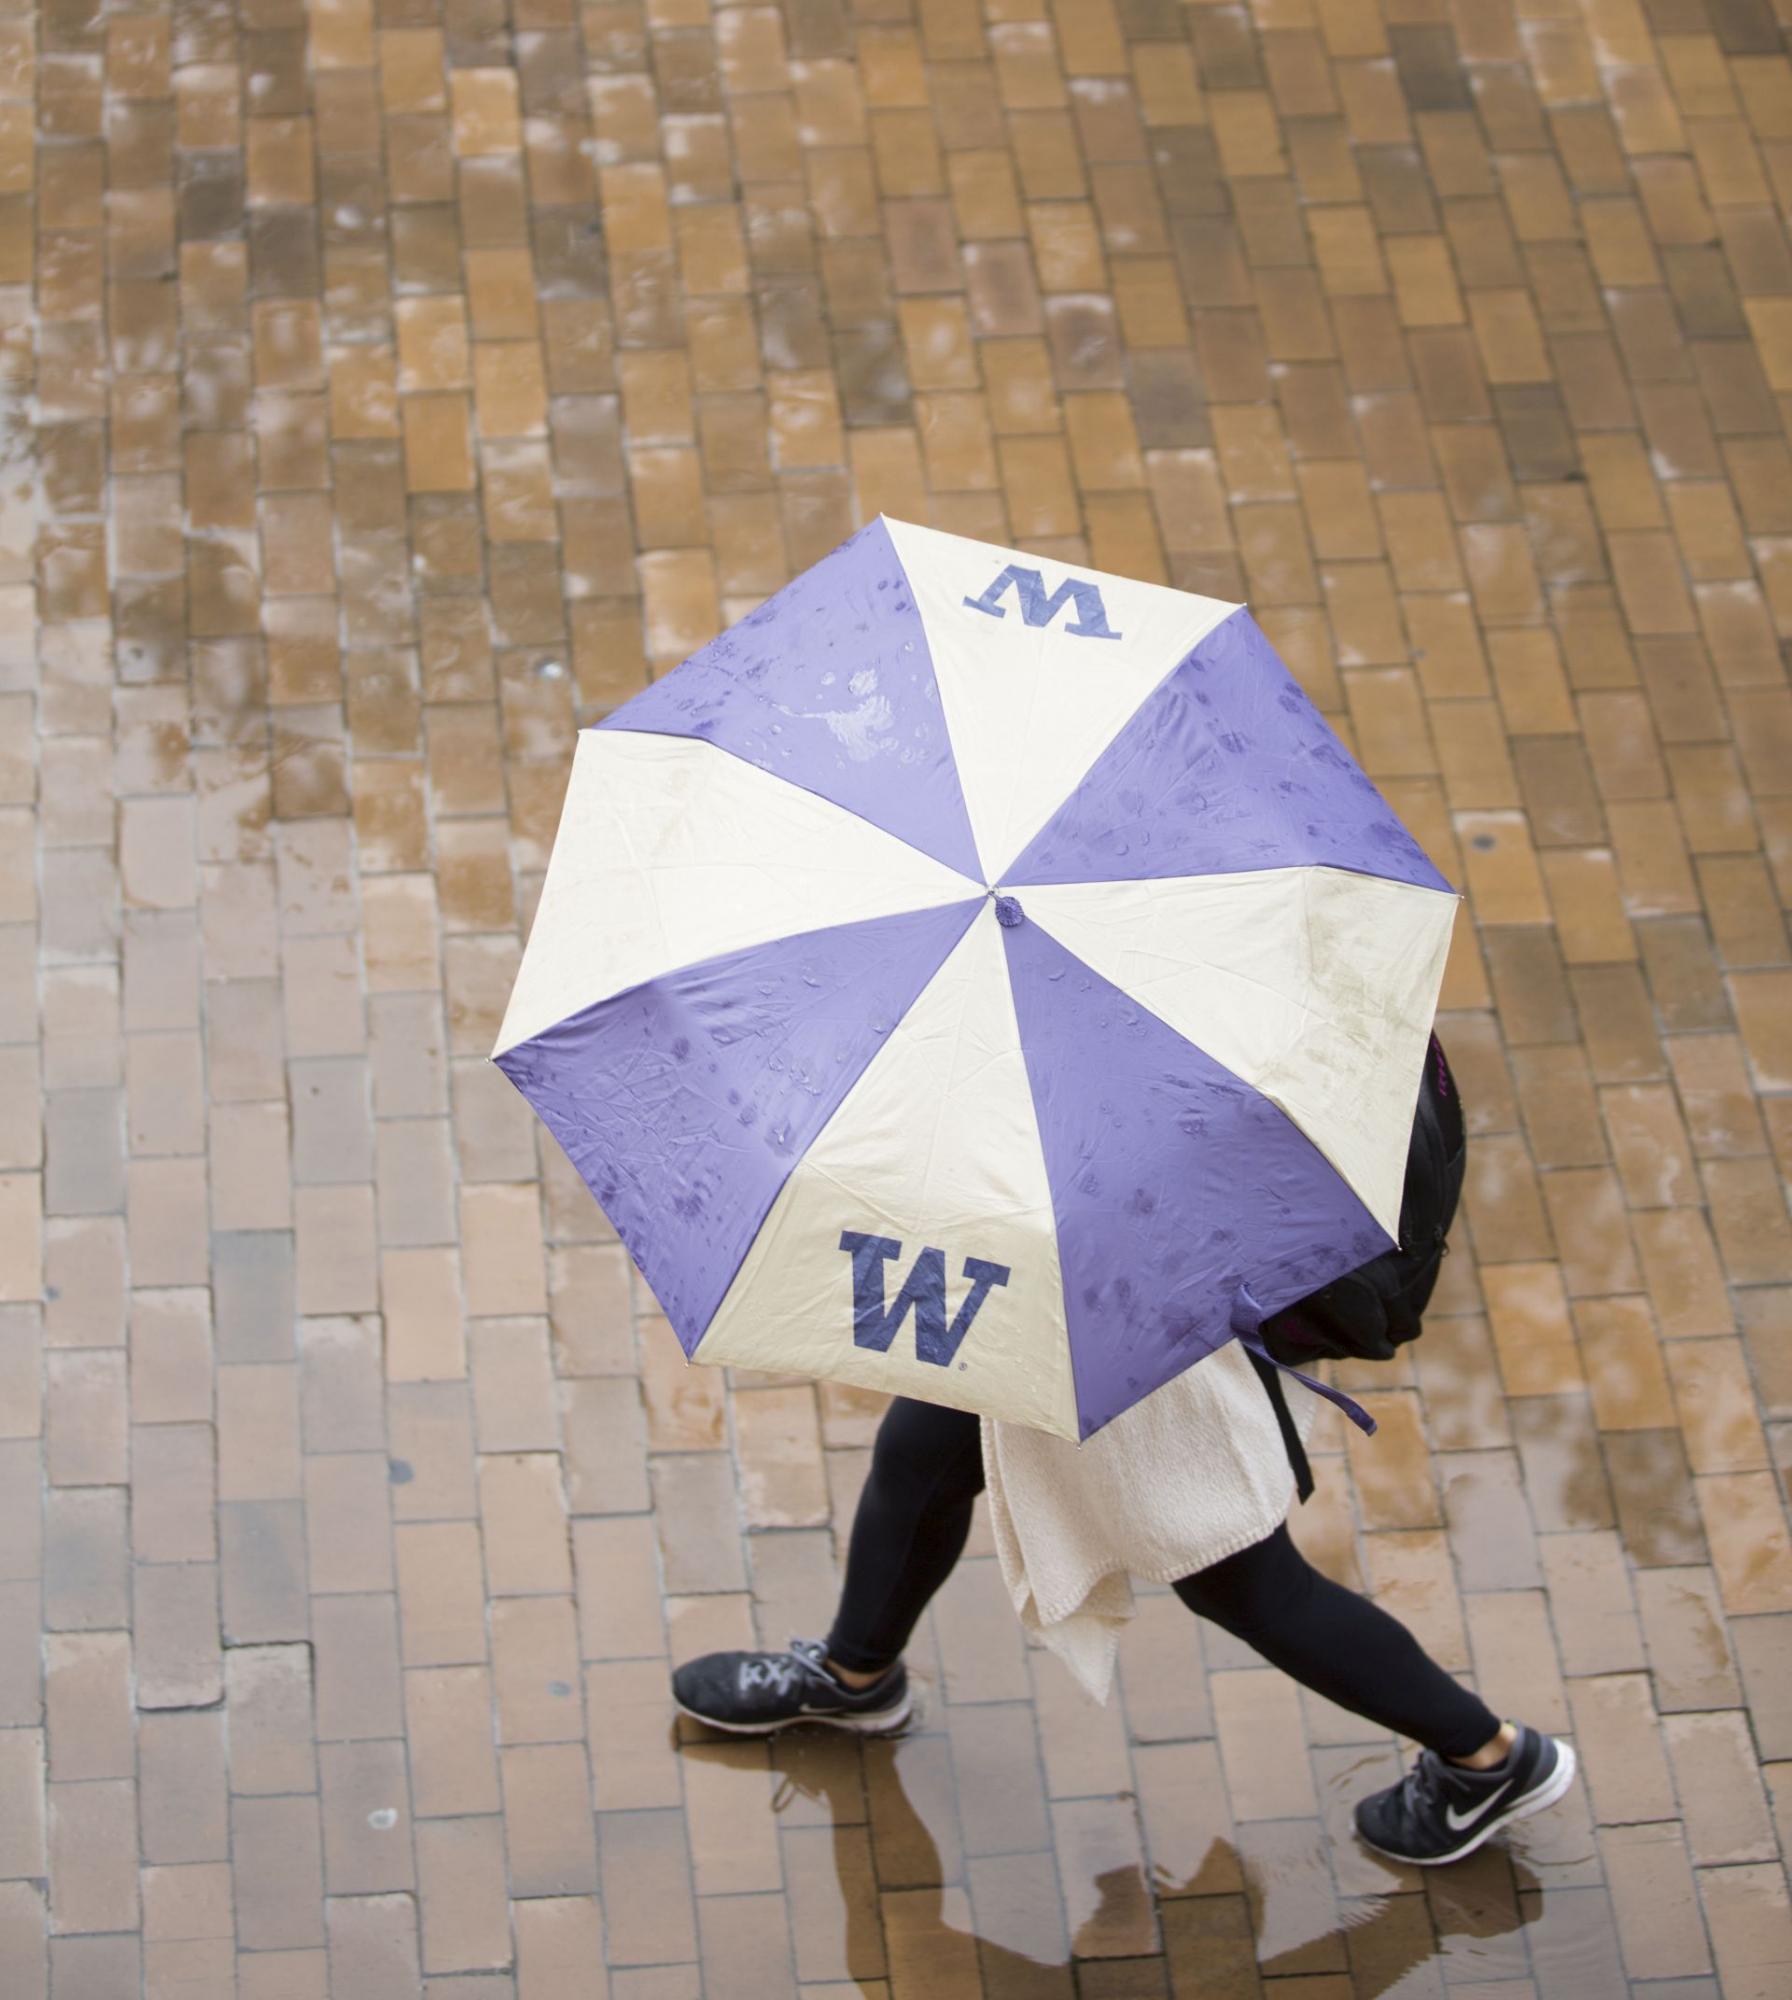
1461	1822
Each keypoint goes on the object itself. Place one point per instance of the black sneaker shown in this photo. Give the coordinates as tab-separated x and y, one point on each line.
1440	1811
756	1694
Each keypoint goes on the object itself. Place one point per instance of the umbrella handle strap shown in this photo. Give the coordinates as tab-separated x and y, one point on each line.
1351	1408
1247	1317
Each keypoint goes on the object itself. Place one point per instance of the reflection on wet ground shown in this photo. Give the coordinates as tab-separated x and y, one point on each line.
885	1891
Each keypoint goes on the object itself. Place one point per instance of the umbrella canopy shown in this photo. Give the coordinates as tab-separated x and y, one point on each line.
980	979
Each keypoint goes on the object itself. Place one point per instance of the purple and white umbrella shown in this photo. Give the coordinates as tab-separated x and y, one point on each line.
980	979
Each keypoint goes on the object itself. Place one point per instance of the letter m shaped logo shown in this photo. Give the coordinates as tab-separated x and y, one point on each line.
1090	622
875	1325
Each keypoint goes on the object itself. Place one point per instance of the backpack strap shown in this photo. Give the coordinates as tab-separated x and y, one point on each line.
1271	1378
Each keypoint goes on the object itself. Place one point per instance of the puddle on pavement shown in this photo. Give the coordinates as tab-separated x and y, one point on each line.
880	1888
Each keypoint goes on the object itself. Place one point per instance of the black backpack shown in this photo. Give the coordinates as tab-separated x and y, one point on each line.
1371	1312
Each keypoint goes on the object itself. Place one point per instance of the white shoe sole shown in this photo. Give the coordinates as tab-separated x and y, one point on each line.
1546	1795
881	1722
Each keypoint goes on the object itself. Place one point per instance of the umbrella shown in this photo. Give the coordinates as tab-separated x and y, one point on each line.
980	978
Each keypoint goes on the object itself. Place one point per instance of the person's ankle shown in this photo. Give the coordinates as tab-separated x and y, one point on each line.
851	1677
1492	1753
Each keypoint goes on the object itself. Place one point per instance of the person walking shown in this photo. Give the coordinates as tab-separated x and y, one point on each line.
1475	1773
1191	1487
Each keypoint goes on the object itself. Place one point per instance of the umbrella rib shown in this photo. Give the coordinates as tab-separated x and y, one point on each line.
1265	1088
1043	919
811	792
1309	1013
1101	749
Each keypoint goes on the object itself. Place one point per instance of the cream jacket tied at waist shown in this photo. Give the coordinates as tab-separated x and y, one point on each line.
1191	1475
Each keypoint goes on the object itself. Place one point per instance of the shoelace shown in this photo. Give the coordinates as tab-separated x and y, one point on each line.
1424	1782
782	1671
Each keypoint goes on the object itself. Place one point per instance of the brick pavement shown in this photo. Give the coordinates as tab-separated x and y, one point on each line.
384	390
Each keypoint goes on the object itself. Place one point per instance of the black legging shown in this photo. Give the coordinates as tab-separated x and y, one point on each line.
915	1513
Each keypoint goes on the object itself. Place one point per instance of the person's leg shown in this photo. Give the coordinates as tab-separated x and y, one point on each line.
913	1516
1340	1645
910	1529
1475	1774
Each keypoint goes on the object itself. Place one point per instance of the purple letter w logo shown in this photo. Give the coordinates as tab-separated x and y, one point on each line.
924	1290
1090	622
